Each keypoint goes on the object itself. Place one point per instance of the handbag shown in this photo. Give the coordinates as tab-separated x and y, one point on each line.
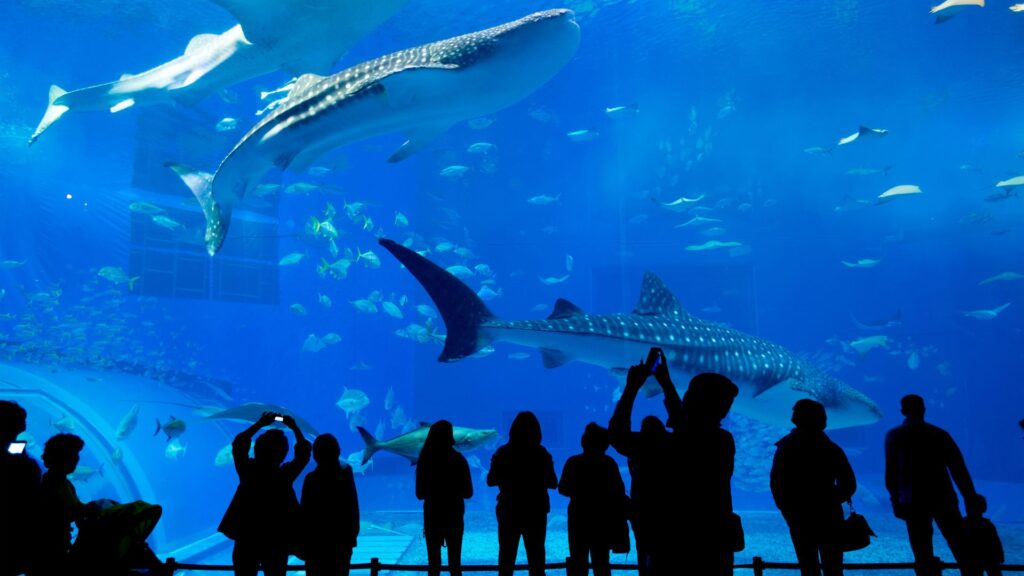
855	533
734	533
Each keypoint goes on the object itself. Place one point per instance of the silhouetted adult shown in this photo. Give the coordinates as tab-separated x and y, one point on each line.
645	451
523	471
59	506
19	488
330	511
920	458
443	483
263	517
597	503
697	533
810	479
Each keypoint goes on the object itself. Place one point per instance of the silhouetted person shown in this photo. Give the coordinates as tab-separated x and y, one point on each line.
810	479
696	534
919	460
59	505
597	503
983	540
443	483
645	452
263	516
330	511
523	471
19	489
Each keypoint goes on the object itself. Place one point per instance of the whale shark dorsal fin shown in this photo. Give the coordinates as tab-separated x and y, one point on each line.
565	309
553	358
196	43
656	299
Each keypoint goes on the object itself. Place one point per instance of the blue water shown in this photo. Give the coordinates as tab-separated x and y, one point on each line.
730	95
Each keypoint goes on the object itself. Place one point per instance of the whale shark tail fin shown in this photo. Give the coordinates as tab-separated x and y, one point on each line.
53	112
217	217
462	310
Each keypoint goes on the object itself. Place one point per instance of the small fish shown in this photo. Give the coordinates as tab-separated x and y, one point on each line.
901	190
713	244
365	306
298	309
622	112
1002	277
552	280
352	401
117	456
543	199
117	276
368	258
986	314
696	221
324	300
454	171
568	262
1018	8
128	423
487	294
175	450
679	204
714	231
914	360
265	190
339	269
391	309
481	148
66	424
868	171
444	246
291	259
355	461
459	271
483	270
583	135
464	252
389	401
862	263
401	220
868	343
313	344
360	366
145	208
861	132
173	428
85	473
318	171
426	311
227	124
224	456
165	222
330	339
818	150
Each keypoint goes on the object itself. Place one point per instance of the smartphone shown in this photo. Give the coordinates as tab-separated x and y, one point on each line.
657	363
16	448
279	418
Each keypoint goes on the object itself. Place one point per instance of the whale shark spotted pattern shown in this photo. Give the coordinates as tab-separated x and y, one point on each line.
770	377
420	91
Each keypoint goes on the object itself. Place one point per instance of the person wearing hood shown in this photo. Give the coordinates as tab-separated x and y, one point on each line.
810	479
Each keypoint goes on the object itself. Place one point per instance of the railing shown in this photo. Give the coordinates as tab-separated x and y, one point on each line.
758	565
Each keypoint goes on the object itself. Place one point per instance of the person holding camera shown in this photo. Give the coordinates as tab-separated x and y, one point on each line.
263	516
19	487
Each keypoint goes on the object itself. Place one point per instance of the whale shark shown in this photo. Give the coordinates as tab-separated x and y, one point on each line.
770	378
420	91
297	36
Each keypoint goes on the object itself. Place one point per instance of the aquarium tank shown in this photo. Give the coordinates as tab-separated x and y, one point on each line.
376	215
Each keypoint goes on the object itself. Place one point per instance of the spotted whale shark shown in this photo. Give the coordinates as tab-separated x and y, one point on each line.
771	378
420	91
297	36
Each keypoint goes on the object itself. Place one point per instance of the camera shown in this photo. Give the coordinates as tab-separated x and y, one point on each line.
279	418
16	448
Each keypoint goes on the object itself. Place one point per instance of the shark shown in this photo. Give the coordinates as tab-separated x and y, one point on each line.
297	36
770	378
409	444
420	91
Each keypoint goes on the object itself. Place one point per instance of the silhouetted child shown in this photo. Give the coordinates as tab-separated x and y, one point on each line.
982	539
263	517
19	490
597	504
443	482
330	511
523	471
59	505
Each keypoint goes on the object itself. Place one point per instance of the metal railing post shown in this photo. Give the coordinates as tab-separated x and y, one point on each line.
758	566
170	563
374	566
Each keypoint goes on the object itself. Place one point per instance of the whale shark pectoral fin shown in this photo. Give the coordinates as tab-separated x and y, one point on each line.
553	358
53	112
418	139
